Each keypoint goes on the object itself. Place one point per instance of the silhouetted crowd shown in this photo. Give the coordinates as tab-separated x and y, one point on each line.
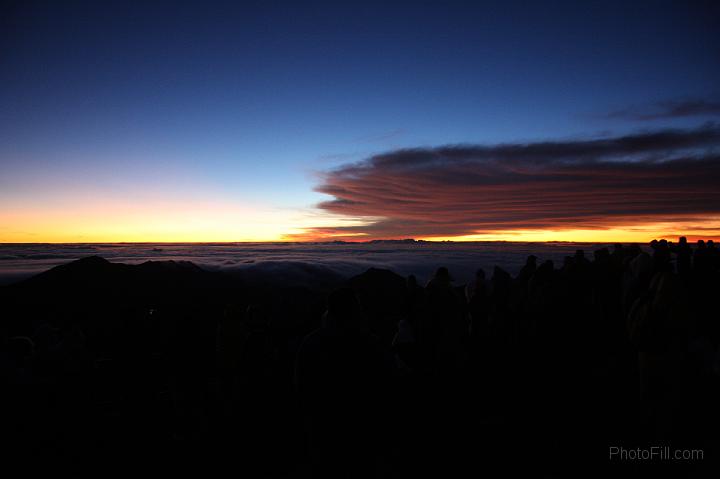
386	378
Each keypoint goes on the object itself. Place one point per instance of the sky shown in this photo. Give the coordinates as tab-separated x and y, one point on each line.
271	121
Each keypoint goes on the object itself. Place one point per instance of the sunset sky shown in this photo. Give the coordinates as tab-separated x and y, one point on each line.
268	121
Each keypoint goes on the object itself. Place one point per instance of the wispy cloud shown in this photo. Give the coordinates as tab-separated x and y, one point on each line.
668	175
668	109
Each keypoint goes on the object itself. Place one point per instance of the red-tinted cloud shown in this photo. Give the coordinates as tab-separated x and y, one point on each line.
664	176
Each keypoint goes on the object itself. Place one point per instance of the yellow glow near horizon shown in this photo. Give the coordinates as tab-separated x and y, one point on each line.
193	221
151	223
170	221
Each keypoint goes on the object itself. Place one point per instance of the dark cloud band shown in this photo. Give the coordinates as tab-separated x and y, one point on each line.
663	176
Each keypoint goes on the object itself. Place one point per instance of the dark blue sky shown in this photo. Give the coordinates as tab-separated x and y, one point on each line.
241	103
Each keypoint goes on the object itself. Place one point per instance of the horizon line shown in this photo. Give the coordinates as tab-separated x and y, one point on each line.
405	240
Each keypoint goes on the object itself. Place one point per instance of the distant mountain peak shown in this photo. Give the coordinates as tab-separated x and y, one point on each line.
90	260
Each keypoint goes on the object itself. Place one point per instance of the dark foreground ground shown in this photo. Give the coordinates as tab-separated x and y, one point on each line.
605	366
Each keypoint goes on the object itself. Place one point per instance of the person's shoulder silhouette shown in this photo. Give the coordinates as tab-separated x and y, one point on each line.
441	279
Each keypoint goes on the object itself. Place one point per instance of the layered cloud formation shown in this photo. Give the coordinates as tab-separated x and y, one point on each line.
669	176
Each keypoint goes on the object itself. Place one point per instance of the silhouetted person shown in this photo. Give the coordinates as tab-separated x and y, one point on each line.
580	259
661	256
701	259
449	322
658	326
341	374
713	255
258	355
405	346
477	299
478	310
231	335
617	256
528	270
441	279
684	256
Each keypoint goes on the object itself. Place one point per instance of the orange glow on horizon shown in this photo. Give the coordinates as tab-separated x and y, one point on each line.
611	235
186	222
638	233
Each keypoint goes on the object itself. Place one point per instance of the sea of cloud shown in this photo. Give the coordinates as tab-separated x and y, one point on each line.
296	263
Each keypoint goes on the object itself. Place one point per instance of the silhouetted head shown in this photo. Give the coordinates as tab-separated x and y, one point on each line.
500	283
683	240
442	273
441	279
701	244
342	306
711	244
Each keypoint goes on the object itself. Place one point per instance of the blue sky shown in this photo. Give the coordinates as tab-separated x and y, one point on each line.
242	102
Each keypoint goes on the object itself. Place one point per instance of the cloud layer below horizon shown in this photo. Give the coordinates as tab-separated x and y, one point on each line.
668	177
